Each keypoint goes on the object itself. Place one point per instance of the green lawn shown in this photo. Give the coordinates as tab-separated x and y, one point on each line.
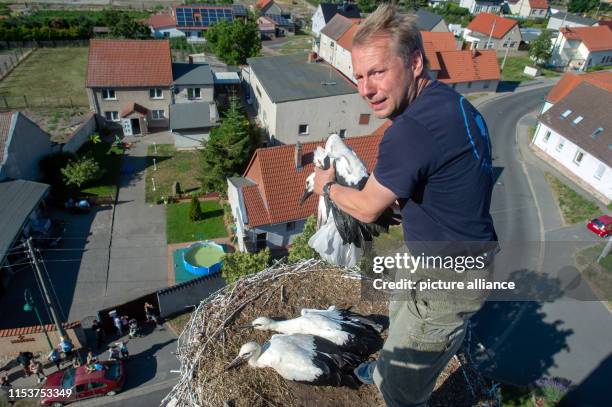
598	274
513	69
109	158
297	43
180	229
574	207
172	166
48	77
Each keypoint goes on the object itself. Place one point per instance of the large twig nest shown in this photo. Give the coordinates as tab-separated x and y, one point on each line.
211	340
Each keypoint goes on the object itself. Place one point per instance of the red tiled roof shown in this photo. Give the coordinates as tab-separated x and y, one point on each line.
262	3
483	23
161	21
433	42
569	81
275	198
5	126
346	39
133	108
597	38
543	4
463	66
607	23
29	330
125	63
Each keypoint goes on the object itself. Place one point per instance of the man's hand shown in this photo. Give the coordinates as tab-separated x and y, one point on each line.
322	177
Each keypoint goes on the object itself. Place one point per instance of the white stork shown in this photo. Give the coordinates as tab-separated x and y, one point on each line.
340	238
301	358
350	331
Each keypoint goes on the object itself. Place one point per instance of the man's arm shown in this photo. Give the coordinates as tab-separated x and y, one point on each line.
365	205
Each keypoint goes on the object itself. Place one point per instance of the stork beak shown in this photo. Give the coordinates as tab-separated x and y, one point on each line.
307	193
235	363
247	326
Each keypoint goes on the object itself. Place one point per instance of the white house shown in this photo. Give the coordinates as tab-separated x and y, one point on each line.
561	19
265	201
576	135
582	47
482	6
326	11
488	31
569	81
163	26
300	99
335	44
529	8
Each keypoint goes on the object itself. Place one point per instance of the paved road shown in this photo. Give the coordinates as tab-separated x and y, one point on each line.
530	339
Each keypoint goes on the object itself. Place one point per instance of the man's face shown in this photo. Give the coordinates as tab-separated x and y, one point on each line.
382	77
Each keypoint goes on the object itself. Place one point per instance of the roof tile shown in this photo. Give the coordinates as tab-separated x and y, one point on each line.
597	38
569	81
158	21
467	66
433	42
483	23
125	63
539	4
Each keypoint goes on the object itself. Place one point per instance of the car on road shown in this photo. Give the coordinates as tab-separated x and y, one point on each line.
601	226
77	384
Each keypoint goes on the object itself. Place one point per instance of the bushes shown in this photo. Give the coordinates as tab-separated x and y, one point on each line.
195	211
299	249
238	264
81	171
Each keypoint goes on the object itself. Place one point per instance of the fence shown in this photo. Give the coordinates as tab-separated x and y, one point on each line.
10	60
175	299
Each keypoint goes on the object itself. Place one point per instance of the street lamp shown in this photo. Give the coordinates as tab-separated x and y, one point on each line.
31	306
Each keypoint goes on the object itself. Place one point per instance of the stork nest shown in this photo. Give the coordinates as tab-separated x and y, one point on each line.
211	340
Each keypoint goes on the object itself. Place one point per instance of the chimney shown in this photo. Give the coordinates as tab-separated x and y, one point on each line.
298	156
312	57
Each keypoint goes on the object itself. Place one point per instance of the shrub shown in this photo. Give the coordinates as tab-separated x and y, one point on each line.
195	211
299	249
238	264
81	171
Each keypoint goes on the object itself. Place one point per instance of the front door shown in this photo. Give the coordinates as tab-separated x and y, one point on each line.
127	127
135	127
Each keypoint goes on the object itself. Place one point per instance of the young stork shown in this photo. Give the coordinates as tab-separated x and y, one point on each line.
301	358
350	331
340	238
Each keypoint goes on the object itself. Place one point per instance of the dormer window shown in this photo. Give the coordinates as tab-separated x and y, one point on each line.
566	113
597	132
577	120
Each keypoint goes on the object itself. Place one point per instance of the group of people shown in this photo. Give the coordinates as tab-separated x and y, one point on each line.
125	324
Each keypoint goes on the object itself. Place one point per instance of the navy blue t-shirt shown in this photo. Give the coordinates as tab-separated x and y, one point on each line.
436	157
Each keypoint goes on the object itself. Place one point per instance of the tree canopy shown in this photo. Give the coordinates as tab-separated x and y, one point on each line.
238	264
540	48
299	249
81	170
234	42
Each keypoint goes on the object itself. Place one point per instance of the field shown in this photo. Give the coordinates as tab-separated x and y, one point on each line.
513	69
180	229
49	77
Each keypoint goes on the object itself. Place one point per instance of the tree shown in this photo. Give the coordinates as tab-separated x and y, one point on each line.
227	150
195	211
236	41
82	170
239	264
299	249
540	48
582	6
128	27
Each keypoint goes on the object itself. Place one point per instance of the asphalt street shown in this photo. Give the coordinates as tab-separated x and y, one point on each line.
558	335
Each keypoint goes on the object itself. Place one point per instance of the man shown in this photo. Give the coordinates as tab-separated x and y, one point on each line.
435	161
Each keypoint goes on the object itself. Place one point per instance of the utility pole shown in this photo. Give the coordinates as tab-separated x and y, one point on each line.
43	283
491	33
505	56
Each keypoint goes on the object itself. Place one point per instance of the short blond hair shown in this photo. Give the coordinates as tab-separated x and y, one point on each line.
402	28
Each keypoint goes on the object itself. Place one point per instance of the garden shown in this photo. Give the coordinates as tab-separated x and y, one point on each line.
195	220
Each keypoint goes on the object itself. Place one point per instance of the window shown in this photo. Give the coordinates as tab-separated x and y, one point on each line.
597	132
547	136
505	45
303	129
577	120
513	44
469	85
364	118
578	157
601	168
342	133
331	44
156	93
566	113
95	385
193	93
166	34
486	84
108	94
157	114
290	226
112	116
561	143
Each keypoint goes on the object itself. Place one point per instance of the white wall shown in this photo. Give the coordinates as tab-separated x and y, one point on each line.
598	58
482	7
555	24
190	139
234	196
206	94
317	21
344	63
475	86
167	33
588	166
327	49
277	235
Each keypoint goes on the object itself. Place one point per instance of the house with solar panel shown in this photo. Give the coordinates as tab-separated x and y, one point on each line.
574	132
299	99
277	23
193	20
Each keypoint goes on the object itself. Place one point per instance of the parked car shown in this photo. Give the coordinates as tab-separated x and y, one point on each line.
601	226
78	384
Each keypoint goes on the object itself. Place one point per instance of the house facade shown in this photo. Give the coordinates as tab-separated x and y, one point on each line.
482	6
575	135
265	201
22	145
267	7
163	26
326	11
299	99
580	48
529	8
129	82
488	31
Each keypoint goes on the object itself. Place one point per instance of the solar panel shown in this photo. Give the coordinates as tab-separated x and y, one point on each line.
207	15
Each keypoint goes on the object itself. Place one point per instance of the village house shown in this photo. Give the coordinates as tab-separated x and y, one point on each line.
580	48
574	133
326	11
299	99
428	21
482	6
529	8
265	201
488	31
267	7
163	26
562	19
335	43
